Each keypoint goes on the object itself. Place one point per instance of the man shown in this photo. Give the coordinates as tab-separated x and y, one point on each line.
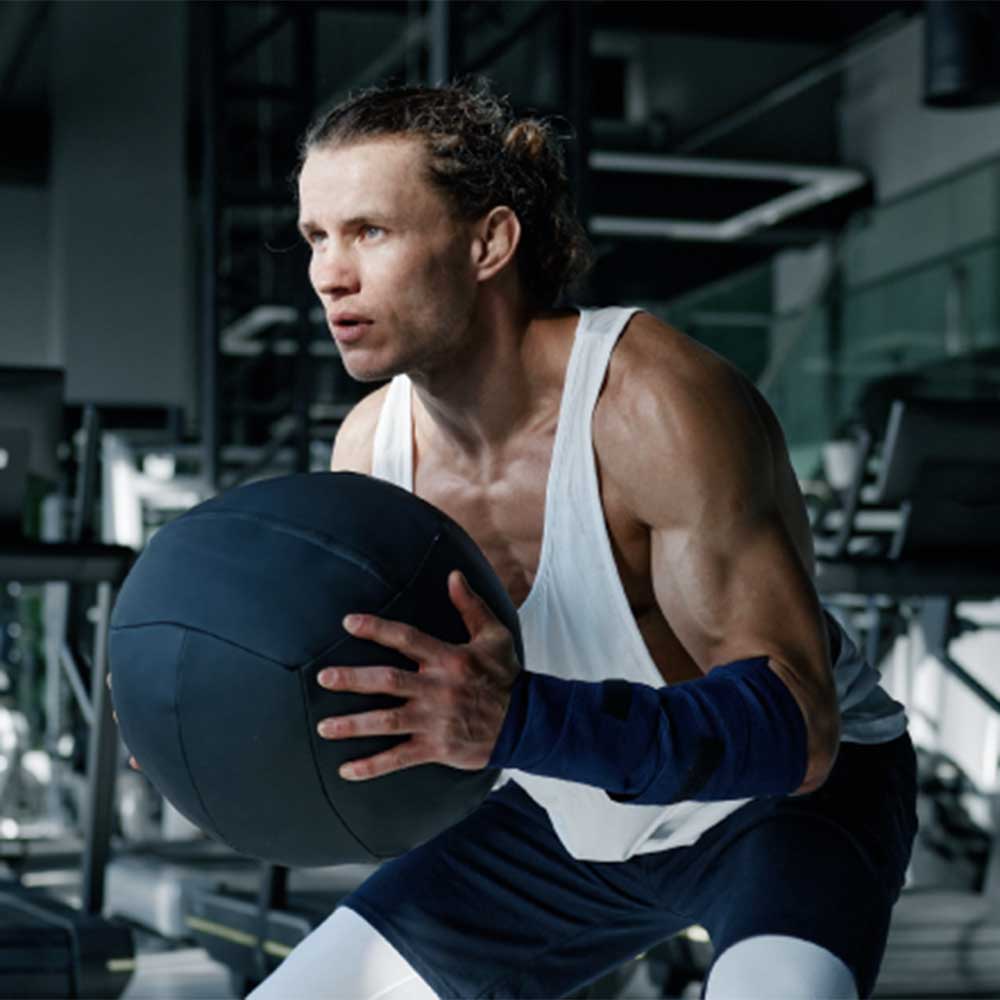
691	739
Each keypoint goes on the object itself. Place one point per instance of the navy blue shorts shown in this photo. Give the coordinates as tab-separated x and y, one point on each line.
496	907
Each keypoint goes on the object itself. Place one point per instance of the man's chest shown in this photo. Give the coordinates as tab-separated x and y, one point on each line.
502	509
505	510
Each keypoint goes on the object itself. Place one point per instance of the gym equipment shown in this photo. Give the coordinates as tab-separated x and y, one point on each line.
251	927
48	948
221	629
150	884
937	476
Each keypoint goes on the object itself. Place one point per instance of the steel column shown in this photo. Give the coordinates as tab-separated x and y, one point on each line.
102	764
578	101
209	29
305	85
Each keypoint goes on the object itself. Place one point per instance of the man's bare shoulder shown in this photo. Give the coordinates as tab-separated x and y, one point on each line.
658	373
352	450
673	405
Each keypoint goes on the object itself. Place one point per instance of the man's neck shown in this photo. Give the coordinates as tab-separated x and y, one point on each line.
481	401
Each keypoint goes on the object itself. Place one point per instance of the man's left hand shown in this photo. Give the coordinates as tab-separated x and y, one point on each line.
454	704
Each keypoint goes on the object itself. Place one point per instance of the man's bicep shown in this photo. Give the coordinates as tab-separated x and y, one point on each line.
726	569
737	588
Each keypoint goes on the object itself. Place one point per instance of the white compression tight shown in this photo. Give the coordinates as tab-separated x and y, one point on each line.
775	967
344	958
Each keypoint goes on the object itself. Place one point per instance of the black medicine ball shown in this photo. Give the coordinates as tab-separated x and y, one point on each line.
219	633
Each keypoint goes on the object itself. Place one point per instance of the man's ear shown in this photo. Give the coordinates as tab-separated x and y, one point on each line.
499	233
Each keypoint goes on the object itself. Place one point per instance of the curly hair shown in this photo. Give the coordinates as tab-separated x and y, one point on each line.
480	156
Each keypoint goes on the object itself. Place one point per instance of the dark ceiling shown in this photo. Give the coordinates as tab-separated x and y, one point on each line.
824	22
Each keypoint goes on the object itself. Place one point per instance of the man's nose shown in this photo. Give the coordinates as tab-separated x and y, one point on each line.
334	274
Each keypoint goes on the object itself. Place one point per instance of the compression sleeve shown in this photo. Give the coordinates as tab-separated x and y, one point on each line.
735	733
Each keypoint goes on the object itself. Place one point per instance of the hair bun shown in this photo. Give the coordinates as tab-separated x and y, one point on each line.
526	138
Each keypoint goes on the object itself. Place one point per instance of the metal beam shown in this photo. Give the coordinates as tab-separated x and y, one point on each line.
305	84
209	28
578	100
102	764
261	92
542	11
392	60
857	48
30	32
71	669
257	36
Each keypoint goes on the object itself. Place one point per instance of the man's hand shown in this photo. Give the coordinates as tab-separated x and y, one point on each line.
132	762
454	704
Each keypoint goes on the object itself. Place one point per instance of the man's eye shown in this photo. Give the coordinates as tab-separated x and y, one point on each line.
371	232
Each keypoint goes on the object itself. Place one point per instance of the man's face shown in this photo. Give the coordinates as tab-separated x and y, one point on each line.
390	263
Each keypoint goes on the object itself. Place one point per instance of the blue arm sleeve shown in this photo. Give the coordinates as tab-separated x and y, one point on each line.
735	733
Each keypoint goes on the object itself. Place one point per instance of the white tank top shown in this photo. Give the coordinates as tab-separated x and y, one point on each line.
576	621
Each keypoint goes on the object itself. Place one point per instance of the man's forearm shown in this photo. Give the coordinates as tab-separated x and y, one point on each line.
735	733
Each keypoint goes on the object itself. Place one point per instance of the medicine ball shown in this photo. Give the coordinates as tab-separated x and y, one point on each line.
219	633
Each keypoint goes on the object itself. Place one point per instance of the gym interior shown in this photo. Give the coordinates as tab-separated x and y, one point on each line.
809	188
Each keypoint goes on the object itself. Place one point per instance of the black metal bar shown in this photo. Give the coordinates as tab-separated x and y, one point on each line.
67	562
261	92
413	55
102	765
257	36
579	101
855	47
244	197
22	49
542	11
305	62
385	6
71	668
210	28
277	407
272	894
395	58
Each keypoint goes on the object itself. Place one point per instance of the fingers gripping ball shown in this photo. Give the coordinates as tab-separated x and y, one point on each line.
218	636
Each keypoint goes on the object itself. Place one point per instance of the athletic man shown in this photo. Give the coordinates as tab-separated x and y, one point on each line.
691	739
